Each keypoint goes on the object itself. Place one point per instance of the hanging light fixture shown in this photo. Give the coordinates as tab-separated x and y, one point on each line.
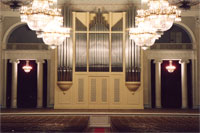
54	34
144	37
151	23
47	21
27	68
160	15
39	14
170	68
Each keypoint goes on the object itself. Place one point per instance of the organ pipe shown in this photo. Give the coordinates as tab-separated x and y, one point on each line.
99	52
133	51
64	54
81	50
99	45
117	43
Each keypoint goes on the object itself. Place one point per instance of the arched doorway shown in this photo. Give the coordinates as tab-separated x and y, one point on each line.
22	38
174	41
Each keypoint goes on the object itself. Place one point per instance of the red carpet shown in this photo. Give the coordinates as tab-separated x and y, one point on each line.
99	130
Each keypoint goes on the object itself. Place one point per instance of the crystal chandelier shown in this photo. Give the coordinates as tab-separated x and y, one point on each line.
144	34
47	21
160	15
144	37
39	14
151	23
27	68
170	68
54	34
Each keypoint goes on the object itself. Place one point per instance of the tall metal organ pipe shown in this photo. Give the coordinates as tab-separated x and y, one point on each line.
64	54
99	45
133	51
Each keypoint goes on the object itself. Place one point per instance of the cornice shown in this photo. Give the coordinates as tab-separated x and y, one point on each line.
169	54
27	54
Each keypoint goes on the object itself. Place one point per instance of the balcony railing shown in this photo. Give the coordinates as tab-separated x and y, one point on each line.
172	46
26	46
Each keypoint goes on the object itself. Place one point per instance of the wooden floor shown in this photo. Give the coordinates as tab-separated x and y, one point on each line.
27	123
59	123
147	120
155	124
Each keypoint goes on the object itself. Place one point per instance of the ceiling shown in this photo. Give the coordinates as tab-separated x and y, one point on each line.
97	2
92	5
104	5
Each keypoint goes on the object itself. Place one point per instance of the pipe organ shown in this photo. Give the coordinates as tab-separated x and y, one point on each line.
99	66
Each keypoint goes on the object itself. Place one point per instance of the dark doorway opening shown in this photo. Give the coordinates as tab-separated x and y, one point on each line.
189	83
153	99
45	84
8	84
171	85
27	86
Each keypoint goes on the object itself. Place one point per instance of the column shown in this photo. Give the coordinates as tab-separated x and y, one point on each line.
1	63
50	83
184	83
149	83
14	83
196	88
40	83
158	83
